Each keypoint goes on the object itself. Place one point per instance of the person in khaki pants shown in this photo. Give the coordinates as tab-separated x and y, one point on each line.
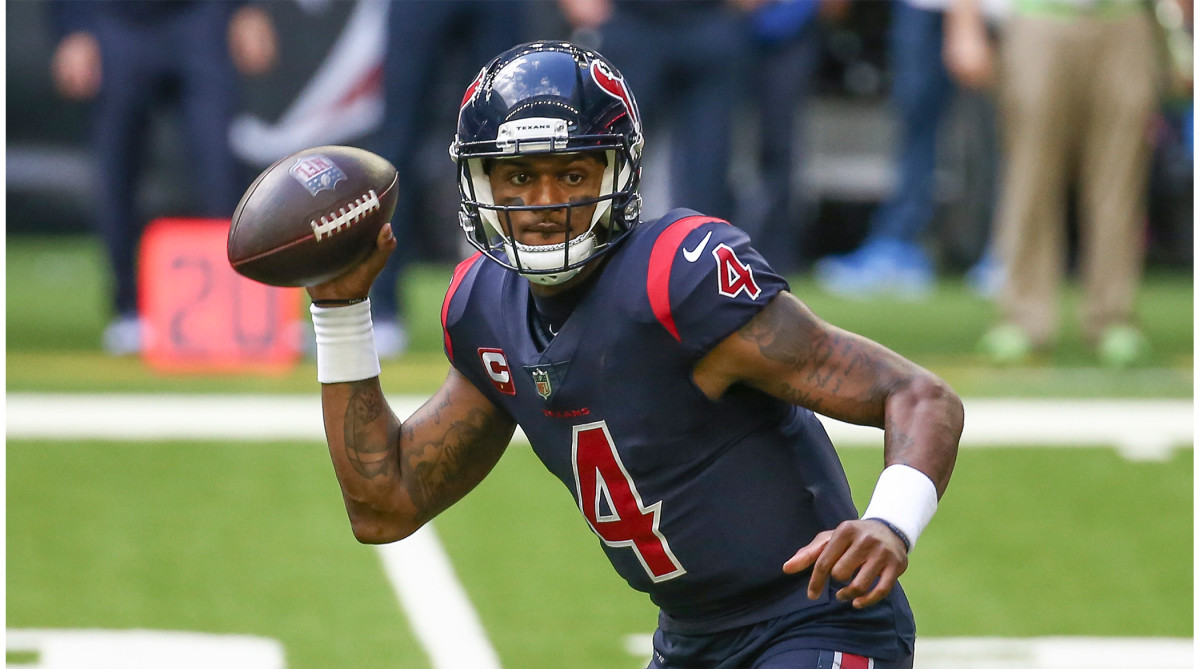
1079	83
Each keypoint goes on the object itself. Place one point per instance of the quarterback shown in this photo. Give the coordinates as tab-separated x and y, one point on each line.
662	372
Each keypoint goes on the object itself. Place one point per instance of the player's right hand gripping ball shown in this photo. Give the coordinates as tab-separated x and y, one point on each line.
311	216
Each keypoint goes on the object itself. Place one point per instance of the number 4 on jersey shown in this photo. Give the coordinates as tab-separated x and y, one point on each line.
733	275
611	504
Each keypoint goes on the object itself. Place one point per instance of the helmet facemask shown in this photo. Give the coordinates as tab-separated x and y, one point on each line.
489	226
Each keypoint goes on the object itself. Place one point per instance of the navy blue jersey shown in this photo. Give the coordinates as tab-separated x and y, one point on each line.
698	503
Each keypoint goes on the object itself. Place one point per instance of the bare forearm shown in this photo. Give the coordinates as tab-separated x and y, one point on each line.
922	425
447	450
795	356
395	477
821	367
364	438
854	379
921	417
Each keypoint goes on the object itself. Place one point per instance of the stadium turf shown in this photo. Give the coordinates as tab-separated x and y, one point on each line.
220	538
251	539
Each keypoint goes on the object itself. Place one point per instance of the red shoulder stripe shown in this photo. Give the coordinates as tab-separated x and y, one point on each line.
459	273
662	255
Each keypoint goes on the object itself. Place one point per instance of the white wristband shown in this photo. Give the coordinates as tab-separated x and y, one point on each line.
345	343
904	498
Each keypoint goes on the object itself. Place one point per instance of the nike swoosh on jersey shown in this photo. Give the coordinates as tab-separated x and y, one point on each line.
694	254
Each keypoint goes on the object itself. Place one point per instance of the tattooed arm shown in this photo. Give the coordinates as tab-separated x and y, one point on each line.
396	476
788	352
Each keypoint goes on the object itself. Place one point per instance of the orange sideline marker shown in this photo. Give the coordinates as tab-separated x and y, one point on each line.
200	316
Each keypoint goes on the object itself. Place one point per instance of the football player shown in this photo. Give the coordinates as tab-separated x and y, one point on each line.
662	371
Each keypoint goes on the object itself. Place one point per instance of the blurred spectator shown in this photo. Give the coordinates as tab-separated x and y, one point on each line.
1079	87
421	39
132	58
786	49
929	42
687	60
1172	198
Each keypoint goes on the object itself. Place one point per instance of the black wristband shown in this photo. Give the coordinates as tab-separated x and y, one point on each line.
895	530
338	303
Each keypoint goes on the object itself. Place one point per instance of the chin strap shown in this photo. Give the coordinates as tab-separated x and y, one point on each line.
551	279
540	259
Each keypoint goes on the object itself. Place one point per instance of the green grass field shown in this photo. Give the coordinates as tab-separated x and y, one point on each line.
251	538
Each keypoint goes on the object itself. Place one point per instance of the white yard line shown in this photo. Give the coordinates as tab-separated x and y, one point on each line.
141	649
1054	653
436	603
1139	429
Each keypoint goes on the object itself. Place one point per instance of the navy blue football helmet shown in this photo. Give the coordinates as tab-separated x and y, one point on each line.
548	97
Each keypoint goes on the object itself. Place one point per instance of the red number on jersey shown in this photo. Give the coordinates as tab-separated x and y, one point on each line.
734	276
611	503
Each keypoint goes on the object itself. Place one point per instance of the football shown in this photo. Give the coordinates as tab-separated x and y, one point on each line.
311	216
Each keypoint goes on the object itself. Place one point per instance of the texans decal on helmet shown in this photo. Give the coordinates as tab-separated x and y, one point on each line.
614	85
471	89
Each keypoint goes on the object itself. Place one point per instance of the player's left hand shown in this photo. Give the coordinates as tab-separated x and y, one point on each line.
865	554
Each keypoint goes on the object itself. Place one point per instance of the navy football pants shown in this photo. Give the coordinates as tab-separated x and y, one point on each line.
183	59
771	644
782	657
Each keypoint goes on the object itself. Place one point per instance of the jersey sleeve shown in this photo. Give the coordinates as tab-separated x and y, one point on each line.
459	339
705	281
454	303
